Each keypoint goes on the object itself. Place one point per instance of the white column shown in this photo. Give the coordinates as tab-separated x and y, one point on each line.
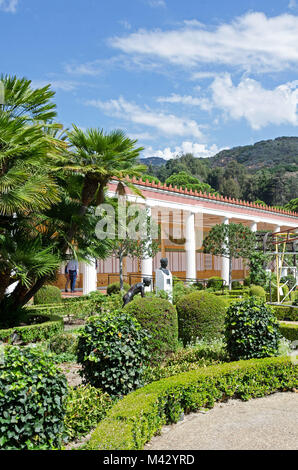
147	263
225	267
190	247
89	277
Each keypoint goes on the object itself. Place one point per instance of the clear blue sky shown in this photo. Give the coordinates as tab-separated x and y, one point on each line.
179	75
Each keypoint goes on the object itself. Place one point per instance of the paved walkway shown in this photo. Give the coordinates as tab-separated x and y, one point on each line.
269	423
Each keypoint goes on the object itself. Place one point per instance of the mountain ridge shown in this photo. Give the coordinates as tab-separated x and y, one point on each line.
262	154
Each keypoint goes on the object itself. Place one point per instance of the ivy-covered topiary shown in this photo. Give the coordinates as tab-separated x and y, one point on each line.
159	318
257	291
32	400
200	316
48	295
114	288
113	352
251	330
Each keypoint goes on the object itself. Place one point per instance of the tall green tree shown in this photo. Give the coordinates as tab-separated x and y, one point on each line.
49	188
230	241
183	179
99	157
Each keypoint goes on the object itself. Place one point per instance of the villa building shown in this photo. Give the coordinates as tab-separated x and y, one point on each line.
193	214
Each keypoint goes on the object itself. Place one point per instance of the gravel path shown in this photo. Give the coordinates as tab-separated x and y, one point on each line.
269	423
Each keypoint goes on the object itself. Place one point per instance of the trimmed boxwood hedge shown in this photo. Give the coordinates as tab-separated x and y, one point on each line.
51	326
48	295
289	331
134	420
200	315
285	312
257	291
159	318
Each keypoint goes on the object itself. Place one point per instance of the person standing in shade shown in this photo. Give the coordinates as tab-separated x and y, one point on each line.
73	271
66	278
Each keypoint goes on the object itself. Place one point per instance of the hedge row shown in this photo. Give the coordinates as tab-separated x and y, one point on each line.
28	334
289	331
83	307
285	312
134	420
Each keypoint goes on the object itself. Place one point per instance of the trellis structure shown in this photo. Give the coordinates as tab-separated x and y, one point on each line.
282	243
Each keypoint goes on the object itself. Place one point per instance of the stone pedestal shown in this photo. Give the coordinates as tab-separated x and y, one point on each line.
164	282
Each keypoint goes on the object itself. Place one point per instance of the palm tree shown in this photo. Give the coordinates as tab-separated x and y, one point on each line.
30	153
100	157
28	148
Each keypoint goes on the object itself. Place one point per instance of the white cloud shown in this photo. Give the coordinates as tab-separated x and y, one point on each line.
89	68
203	103
140	136
292	4
198	151
252	41
167	124
64	85
259	106
203	75
157	3
9	6
125	24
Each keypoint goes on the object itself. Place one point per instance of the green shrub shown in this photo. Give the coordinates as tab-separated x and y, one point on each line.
48	295
32	400
213	350
112	351
86	406
236	285
289	331
257	291
159	318
134	420
114	288
47	326
215	283
200	316
251	330
247	281
64	343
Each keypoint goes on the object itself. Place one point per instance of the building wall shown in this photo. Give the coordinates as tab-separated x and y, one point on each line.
108	270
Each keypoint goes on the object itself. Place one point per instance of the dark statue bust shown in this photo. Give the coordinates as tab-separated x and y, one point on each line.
138	288
163	266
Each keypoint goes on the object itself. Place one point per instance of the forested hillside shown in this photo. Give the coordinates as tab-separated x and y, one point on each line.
266	171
